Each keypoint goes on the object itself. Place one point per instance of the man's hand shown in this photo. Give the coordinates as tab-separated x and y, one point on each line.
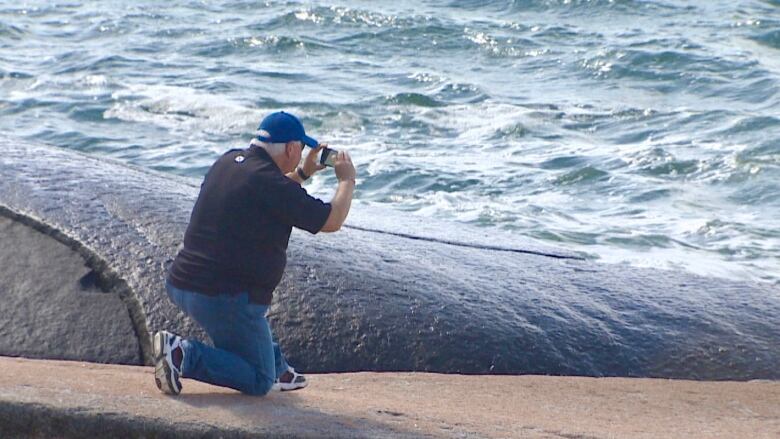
345	170
310	164
342	200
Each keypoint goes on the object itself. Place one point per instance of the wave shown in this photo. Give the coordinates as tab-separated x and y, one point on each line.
414	99
446	94
183	109
578	7
268	43
343	17
563	162
584	175
678	67
769	39
11	31
77	62
751	124
14	75
767	152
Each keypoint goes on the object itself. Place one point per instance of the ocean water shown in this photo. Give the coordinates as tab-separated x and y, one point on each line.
636	132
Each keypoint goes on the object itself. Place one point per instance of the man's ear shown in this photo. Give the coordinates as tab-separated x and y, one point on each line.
288	149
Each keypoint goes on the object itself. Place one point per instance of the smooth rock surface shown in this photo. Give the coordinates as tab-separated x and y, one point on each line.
380	296
70	399
51	306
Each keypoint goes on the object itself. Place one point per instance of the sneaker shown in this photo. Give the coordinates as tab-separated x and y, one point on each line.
290	380
168	357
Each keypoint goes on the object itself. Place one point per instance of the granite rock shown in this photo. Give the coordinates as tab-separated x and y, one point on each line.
390	292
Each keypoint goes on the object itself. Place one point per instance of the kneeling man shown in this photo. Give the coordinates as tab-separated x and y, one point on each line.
234	255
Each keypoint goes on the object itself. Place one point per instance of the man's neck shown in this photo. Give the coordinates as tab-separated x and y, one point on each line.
277	160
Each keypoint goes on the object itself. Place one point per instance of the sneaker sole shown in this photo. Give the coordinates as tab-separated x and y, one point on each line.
287	387
163	374
290	387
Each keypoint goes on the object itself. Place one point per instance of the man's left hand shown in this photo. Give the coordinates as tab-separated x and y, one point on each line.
310	164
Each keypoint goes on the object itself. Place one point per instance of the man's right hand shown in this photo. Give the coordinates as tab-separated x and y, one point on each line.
342	200
344	168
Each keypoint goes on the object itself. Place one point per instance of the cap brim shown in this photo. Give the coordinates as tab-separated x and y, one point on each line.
308	141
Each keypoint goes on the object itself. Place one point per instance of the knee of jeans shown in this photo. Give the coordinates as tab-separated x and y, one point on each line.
263	385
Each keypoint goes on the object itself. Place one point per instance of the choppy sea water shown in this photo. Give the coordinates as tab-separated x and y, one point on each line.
637	132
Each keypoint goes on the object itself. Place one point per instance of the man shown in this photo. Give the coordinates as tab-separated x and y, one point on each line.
234	256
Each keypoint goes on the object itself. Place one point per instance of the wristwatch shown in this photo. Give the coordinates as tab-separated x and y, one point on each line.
302	174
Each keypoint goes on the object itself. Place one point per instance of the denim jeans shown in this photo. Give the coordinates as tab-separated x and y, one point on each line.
245	356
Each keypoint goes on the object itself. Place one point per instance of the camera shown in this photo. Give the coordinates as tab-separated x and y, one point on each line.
328	157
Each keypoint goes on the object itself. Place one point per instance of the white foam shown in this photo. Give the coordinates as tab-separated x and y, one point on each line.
308	15
94	80
183	110
696	262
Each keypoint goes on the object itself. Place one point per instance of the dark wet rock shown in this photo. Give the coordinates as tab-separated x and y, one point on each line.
390	292
52	304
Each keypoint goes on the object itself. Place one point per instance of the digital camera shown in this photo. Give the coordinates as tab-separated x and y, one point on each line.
328	157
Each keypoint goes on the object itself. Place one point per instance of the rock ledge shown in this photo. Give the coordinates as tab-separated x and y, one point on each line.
41	398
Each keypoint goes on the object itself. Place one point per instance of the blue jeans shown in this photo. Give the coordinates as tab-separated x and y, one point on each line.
245	356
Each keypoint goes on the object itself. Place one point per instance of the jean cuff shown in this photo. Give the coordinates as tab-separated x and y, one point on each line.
188	350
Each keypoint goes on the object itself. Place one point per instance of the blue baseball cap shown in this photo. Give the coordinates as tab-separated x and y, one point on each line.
281	127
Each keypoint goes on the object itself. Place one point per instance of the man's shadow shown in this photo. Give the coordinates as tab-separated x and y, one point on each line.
294	416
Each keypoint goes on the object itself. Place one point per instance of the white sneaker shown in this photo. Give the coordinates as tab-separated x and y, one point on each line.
168	357
290	380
